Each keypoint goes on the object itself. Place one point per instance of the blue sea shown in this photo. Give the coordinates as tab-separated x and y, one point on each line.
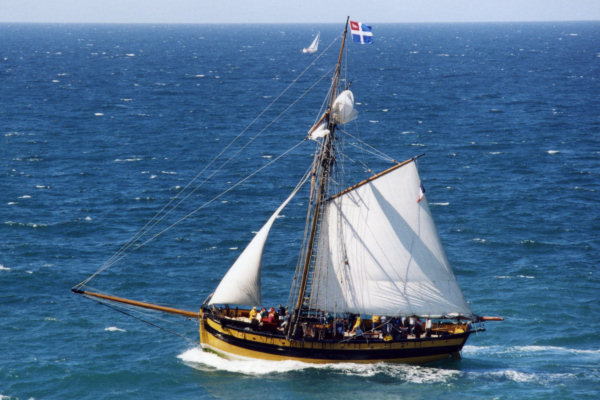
102	125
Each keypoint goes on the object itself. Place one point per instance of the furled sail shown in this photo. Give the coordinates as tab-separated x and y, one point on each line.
379	253
319	132
314	46
241	284
343	108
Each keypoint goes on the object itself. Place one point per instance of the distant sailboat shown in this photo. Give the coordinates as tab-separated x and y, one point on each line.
371	266
314	46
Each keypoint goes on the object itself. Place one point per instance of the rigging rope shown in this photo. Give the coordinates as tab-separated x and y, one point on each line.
161	214
106	265
129	314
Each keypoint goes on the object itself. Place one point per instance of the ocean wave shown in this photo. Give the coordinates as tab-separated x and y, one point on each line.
25	224
526	377
114	329
199	359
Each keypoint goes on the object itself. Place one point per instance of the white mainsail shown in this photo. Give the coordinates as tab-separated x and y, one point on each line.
314	46
241	284
379	253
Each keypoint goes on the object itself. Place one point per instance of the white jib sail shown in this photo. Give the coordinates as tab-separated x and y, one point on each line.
343	108
379	253
314	46
241	284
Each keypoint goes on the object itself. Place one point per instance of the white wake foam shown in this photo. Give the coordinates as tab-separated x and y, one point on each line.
531	349
203	360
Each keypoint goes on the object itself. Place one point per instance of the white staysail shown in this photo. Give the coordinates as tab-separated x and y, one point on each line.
379	253
343	108
314	46
241	285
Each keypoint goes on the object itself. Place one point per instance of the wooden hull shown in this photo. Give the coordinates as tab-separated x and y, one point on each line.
237	343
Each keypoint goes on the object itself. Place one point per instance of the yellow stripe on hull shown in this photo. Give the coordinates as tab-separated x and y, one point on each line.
238	344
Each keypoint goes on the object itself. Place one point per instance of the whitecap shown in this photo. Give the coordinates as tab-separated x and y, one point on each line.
440	204
25	196
114	329
130	55
88	218
12	203
128	159
495	152
153	176
373	121
199	76
553	151
98	114
480	240
3	268
233	248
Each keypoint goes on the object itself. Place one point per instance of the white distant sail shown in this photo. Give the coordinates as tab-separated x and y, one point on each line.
314	46
241	285
379	253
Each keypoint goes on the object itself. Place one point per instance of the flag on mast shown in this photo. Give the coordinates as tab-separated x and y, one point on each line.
361	33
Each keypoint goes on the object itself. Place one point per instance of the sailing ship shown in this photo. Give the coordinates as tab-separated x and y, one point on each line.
314	46
372	282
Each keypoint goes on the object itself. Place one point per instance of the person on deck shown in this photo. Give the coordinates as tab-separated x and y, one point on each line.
252	315
411	325
356	329
428	327
376	322
271	317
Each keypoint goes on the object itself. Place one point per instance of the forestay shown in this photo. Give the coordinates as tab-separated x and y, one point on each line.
241	285
379	253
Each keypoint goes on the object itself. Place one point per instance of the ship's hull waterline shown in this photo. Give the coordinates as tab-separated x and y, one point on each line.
239	343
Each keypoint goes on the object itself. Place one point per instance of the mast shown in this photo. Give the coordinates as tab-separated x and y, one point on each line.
325	160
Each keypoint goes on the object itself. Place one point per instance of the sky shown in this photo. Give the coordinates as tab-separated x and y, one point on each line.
295	11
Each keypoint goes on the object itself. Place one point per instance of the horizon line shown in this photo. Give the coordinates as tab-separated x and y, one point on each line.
288	23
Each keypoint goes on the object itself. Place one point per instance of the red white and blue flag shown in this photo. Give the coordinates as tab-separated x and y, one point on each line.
361	33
